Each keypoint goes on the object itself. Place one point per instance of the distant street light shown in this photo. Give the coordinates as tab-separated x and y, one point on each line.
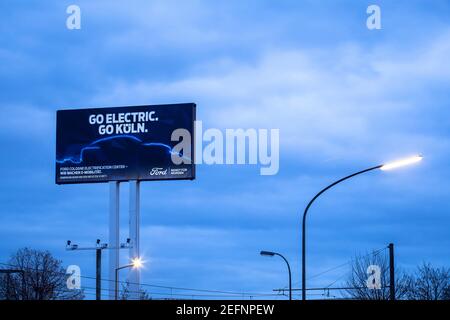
271	254
384	167
136	263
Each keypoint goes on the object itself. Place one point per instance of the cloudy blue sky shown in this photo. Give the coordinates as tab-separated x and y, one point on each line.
344	98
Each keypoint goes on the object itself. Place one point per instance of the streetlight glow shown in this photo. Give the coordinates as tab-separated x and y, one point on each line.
401	163
387	166
136	263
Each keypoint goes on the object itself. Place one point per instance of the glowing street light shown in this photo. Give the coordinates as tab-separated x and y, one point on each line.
401	163
136	263
384	167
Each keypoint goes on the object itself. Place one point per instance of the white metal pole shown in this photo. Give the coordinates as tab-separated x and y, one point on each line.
134	275
114	196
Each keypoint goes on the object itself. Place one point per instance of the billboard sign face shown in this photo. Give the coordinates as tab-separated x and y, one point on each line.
154	142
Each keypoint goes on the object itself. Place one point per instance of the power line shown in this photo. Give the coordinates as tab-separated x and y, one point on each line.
375	252
217	293
99	247
190	295
230	293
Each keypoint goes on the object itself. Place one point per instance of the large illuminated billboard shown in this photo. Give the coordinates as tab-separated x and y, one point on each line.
154	142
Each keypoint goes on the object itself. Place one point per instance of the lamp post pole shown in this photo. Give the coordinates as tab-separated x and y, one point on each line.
304	223
271	254
289	272
290	276
384	167
116	282
136	263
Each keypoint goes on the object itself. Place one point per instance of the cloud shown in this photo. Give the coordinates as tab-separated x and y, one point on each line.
25	121
333	103
343	98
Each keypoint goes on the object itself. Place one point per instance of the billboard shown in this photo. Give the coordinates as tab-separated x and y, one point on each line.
154	142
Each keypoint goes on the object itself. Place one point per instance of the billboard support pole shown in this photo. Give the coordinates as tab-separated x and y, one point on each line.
134	223
114	196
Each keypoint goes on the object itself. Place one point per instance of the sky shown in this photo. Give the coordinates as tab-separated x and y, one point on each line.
344	97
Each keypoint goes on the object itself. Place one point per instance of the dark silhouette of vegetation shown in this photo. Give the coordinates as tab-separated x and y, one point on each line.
358	279
125	293
36	275
430	283
426	283
40	277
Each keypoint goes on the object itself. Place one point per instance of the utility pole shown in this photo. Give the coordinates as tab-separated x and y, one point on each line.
98	260
98	274
391	272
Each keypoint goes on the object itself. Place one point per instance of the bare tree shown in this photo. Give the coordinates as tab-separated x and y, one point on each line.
125	294
430	283
41	277
447	293
357	281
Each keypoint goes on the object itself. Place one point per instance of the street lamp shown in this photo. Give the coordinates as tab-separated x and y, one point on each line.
384	167
136	263
271	254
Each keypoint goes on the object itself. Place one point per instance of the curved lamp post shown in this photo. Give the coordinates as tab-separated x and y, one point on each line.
271	254
135	263
384	167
